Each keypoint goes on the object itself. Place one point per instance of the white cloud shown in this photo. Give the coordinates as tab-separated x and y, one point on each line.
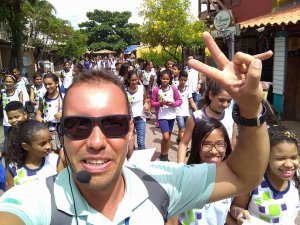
75	10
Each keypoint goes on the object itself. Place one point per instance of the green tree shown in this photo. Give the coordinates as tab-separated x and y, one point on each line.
74	46
159	59
170	24
12	15
109	30
38	17
47	32
54	32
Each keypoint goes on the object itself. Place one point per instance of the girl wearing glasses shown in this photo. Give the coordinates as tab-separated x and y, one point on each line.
8	94
139	102
217	106
210	144
50	108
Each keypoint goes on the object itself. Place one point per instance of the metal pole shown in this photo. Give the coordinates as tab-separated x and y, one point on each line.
230	44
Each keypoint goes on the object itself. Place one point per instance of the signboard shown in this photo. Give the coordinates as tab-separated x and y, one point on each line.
222	20
235	30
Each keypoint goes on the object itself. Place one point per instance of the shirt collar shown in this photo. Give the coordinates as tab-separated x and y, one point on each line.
135	194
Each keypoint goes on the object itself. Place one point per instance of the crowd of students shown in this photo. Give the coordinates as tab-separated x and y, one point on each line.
33	150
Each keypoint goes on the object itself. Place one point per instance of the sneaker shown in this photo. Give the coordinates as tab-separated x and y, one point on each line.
148	115
164	158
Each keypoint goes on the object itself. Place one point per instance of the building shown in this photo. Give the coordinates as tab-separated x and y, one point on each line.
5	47
269	25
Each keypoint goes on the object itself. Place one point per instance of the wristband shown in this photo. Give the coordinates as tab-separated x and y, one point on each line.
248	122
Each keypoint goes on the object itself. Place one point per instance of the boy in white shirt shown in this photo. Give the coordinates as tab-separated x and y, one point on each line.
182	112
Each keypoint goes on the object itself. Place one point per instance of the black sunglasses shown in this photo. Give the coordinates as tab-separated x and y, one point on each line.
80	127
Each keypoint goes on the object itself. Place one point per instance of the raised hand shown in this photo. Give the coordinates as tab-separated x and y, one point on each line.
240	77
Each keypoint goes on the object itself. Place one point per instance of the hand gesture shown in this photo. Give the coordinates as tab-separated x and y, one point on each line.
240	77
243	215
58	115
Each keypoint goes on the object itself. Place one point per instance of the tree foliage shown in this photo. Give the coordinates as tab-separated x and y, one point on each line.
46	31
109	30
11	14
73	47
33	22
160	58
170	24
39	18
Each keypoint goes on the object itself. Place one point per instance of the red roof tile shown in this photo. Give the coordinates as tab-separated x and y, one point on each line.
285	16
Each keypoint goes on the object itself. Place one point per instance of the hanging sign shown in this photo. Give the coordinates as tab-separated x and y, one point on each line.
222	20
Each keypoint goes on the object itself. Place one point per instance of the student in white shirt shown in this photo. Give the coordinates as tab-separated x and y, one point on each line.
67	76
21	85
182	112
138	100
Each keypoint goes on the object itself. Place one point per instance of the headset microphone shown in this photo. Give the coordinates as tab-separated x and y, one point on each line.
83	176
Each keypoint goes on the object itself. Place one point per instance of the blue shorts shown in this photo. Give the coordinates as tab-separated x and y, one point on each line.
181	121
166	125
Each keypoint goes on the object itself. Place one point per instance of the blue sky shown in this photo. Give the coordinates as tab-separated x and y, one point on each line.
75	10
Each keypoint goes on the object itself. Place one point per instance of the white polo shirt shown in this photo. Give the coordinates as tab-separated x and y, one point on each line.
183	109
188	186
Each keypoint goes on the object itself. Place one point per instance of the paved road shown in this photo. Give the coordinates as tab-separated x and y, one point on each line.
153	139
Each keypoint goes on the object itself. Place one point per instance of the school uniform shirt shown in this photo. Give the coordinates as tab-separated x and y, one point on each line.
172	95
154	81
187	186
136	101
214	213
24	174
193	80
183	109
68	78
51	107
5	100
21	86
175	82
275	207
38	93
147	75
226	120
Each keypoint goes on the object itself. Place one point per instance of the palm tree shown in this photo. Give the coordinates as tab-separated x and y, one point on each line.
37	15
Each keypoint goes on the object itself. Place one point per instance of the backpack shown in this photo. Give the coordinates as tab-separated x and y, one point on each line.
157	195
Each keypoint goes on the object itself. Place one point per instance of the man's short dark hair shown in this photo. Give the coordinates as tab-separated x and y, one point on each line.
98	76
14	105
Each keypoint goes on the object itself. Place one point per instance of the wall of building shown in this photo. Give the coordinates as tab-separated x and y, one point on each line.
250	9
5	52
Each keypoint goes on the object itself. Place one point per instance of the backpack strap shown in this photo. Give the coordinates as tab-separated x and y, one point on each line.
157	194
57	216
